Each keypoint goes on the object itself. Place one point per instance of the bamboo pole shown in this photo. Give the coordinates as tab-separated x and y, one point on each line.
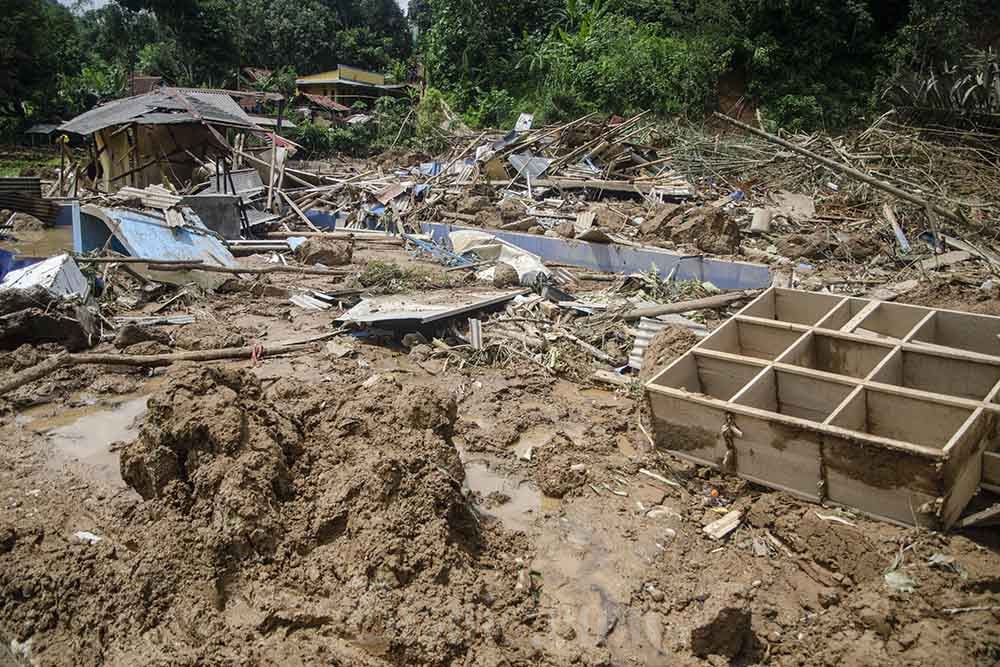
846	170
197	265
717	301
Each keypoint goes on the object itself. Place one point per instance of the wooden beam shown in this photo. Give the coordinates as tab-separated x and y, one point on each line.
712	302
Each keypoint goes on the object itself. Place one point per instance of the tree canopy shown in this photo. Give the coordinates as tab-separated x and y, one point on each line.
803	64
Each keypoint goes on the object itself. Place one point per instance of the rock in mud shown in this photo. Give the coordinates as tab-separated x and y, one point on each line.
511	210
555	471
663	214
8	538
131	334
489	218
565	230
328	252
208	336
796	246
505	275
35	316
708	229
721	625
474	204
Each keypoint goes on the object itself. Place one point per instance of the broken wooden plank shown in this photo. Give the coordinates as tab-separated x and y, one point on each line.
947	259
987	517
298	211
610	377
719	528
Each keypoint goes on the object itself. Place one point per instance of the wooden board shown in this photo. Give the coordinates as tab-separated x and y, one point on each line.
884	407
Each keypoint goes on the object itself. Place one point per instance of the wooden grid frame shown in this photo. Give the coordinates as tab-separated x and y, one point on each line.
888	408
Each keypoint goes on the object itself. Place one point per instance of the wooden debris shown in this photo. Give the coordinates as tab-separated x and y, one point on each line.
719	528
708	303
947	259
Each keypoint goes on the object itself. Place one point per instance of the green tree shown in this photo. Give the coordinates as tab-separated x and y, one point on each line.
38	43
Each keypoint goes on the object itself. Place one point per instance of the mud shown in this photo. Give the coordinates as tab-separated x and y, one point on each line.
666	346
209	336
295	511
325	251
708	229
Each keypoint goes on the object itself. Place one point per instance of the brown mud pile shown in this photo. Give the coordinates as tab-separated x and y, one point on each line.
339	519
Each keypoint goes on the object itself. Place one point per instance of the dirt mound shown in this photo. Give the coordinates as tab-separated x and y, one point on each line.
35	316
955	296
708	229
558	471
666	346
325	251
132	334
344	524
208	336
211	447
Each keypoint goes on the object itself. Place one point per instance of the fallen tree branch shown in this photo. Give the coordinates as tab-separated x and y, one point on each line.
65	359
708	303
846	170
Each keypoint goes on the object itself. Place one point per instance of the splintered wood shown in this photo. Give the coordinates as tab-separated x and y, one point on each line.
884	407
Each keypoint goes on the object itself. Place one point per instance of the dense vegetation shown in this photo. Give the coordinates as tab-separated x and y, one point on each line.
804	64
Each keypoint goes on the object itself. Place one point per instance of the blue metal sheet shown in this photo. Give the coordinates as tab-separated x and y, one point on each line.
613	258
146	235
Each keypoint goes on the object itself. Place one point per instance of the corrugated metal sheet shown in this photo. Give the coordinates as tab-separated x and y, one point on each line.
167	105
45	210
649	328
148	235
29	185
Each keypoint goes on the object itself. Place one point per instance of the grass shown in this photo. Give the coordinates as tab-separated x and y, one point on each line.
14	160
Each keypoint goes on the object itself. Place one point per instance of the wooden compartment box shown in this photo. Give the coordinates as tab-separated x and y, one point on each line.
887	408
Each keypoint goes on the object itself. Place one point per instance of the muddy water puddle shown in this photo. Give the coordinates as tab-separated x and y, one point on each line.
82	437
41	243
588	574
484	476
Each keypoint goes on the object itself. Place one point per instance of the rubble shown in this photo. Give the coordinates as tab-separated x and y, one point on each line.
467	415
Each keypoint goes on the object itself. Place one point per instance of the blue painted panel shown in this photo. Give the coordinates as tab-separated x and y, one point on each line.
144	235
68	214
613	258
322	219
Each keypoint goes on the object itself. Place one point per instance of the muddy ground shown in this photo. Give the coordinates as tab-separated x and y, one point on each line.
368	506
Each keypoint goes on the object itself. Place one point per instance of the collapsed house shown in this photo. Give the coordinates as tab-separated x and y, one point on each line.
160	137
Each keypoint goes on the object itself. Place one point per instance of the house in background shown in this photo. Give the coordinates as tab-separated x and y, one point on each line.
347	85
319	109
